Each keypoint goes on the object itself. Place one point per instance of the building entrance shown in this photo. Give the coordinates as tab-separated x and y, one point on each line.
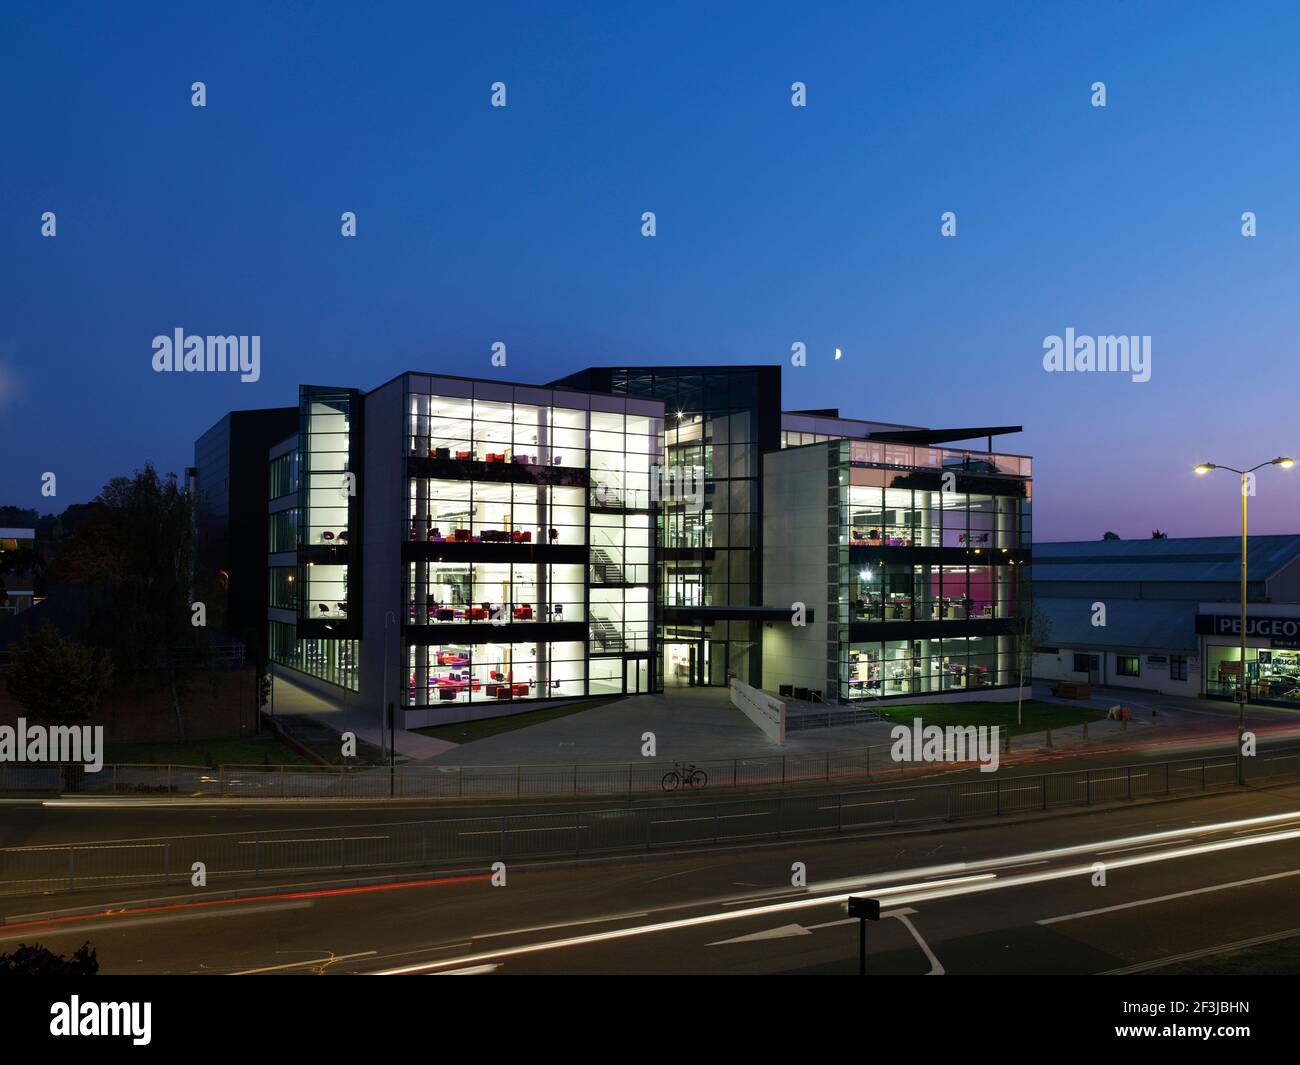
685	664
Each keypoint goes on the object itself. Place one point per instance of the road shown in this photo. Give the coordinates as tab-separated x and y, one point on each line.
1180	877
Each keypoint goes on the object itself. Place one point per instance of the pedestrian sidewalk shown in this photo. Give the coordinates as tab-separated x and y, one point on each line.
687	723
1084	735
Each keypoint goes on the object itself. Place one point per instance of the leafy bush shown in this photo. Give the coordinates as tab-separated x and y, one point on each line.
37	960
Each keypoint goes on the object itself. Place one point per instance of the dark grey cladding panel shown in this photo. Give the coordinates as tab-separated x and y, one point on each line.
334	629
328	555
452	551
870	631
939	556
496	472
704	615
486	632
973	483
686	554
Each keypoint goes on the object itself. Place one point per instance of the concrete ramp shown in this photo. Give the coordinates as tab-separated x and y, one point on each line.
766	711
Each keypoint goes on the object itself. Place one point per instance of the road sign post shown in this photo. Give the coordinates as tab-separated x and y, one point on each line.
864	910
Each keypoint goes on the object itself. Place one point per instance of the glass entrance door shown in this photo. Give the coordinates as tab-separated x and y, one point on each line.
686	664
679	665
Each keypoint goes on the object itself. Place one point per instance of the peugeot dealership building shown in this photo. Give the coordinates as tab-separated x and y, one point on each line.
1165	615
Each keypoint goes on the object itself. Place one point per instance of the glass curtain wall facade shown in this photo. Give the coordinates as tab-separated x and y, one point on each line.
327	488
528	569
320	586
718	420
928	573
331	660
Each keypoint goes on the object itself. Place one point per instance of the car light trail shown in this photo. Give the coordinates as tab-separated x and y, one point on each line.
909	893
320	893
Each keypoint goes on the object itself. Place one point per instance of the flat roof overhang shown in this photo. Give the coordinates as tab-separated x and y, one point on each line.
928	437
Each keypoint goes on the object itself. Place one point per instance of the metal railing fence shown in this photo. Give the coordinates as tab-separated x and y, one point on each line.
230	857
434	781
441	781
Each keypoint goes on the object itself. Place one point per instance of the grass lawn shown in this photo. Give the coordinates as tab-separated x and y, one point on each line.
1279	958
1037	715
252	750
468	731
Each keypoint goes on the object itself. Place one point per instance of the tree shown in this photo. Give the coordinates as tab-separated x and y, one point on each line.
18	517
133	547
57	679
37	960
1156	534
47	526
1110	536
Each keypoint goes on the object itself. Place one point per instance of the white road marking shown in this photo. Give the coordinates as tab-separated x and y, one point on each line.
936	969
897	894
788	930
115	923
1208	952
783	932
882	802
683	872
299	964
1168	898
1267	820
548	828
1141	846
561	924
711	817
793	893
833	924
322	839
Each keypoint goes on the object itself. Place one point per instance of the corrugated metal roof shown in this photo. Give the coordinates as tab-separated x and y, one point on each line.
1157	624
1205	558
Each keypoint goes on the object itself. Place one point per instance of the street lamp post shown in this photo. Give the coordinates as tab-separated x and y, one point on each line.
383	725
1243	687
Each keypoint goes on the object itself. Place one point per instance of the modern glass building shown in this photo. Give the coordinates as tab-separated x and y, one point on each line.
458	547
916	555
720	420
313	564
527	561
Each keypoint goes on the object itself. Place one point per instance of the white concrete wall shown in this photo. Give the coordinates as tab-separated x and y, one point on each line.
764	710
1060	666
1153	678
794	565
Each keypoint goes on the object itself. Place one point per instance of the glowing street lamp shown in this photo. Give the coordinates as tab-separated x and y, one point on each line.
1243	689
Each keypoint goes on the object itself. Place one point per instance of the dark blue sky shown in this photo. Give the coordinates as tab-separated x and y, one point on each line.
775	224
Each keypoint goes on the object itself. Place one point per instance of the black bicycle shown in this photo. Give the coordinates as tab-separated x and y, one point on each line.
684	775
